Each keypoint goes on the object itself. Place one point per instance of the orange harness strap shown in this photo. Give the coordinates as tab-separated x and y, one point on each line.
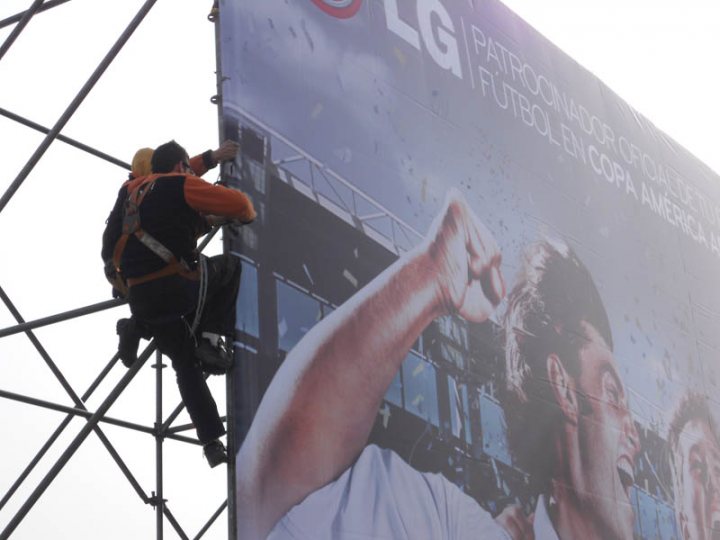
170	269
131	225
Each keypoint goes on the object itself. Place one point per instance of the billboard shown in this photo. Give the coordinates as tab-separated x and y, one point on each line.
480	296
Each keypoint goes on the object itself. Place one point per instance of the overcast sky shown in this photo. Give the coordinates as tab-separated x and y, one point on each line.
657	55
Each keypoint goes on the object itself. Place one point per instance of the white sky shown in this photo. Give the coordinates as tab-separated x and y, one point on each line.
657	55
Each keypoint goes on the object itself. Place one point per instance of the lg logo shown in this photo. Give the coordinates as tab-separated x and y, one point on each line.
435	30
342	9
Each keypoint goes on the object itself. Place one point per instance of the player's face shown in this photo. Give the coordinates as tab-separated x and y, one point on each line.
608	442
698	458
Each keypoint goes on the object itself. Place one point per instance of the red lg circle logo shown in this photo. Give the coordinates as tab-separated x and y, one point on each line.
342	9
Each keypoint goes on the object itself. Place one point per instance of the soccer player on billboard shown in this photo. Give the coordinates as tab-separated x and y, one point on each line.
305	461
569	423
695	465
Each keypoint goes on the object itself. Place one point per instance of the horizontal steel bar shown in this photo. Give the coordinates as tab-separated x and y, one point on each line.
87	310
63	138
74	411
88	414
185	427
74	445
76	102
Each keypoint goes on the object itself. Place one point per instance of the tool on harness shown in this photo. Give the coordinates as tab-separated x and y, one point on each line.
131	226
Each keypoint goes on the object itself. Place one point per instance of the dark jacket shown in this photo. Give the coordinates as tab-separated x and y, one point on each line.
173	213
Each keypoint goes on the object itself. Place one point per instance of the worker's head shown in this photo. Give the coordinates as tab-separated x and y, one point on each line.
141	162
169	157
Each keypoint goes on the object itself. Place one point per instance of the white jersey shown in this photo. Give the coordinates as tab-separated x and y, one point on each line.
382	497
542	526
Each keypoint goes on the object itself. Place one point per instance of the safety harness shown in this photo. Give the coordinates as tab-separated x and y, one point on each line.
131	226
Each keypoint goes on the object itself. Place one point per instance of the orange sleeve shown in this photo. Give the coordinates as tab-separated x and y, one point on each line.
197	164
216	200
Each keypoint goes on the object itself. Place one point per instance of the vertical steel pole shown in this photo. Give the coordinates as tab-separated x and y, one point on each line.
159	437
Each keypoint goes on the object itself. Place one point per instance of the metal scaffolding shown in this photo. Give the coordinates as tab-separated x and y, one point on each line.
163	427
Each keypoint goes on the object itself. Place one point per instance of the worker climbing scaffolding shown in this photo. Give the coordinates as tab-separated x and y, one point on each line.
185	301
130	330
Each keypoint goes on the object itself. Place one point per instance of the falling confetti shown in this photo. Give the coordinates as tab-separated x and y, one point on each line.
307	273
316	111
352	279
385	413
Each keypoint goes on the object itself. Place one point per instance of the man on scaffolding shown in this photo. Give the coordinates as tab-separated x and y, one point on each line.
186	300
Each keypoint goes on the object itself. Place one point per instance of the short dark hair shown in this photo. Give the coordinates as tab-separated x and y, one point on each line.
554	297
692	406
166	156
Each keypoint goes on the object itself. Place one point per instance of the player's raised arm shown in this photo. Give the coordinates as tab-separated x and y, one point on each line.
318	411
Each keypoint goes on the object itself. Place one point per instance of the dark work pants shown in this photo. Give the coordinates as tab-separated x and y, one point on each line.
167	306
174	341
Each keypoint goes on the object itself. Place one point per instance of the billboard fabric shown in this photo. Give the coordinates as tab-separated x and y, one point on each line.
480	298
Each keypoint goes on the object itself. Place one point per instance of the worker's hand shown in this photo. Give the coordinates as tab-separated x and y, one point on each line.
516	523
467	261
227	151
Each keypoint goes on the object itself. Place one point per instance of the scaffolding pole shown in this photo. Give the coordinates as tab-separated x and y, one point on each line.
74	445
161	430
67	140
16	18
159	500
22	23
82	94
59	317
58	431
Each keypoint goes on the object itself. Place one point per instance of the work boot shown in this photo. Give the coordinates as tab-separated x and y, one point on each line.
214	359
129	340
215	453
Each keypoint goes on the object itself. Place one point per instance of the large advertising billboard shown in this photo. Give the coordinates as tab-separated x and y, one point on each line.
480	298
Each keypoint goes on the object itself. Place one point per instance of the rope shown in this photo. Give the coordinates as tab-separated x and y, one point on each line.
202	295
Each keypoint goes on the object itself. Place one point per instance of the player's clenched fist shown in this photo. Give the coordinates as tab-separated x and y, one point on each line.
467	261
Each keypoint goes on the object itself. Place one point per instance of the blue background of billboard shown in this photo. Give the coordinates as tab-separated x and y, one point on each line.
385	116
